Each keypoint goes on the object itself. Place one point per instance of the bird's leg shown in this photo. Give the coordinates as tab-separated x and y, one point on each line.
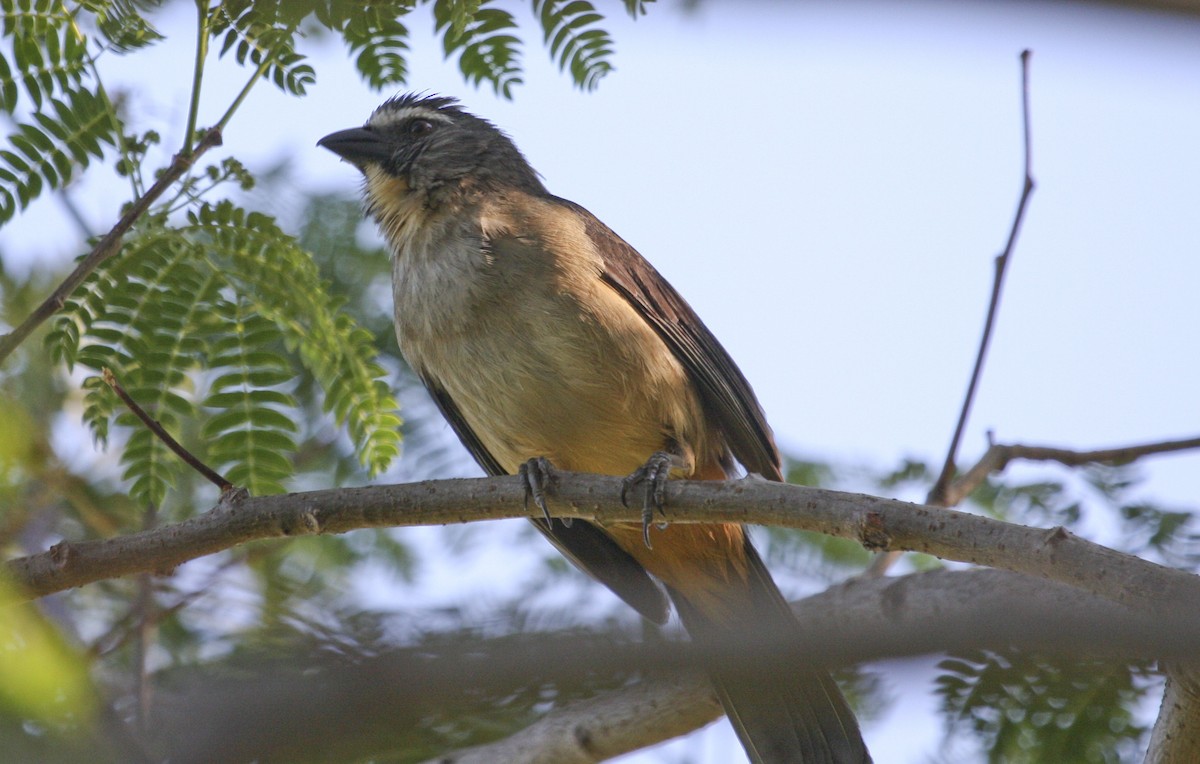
536	474
654	473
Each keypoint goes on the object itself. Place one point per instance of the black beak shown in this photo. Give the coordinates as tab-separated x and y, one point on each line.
358	145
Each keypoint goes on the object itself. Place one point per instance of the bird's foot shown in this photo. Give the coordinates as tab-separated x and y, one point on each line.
536	475
654	473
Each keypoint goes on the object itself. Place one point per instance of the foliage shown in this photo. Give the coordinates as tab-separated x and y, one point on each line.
70	122
215	303
40	676
1030	709
574	39
1020	707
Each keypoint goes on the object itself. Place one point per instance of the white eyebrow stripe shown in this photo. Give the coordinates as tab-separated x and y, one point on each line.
386	117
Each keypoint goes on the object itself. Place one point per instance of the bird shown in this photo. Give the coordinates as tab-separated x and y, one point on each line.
548	342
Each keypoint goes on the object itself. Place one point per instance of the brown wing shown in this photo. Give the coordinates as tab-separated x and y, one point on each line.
580	542
726	393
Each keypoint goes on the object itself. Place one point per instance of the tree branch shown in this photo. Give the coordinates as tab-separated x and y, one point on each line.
267	714
647	713
1176	735
108	246
877	523
999	456
938	495
922	612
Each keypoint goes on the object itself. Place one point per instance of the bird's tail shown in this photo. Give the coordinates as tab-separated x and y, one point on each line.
780	717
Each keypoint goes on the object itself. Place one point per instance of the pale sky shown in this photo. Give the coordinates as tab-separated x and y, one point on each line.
827	184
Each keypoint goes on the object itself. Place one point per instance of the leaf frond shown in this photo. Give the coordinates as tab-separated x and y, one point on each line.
261	33
43	64
374	33
281	280
575	41
1027	708
46	153
480	33
252	425
122	24
142	317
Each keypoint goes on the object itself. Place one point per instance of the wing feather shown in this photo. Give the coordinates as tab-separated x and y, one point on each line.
725	392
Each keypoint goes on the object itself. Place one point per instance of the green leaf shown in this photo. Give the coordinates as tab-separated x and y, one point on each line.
1030	709
281	281
49	57
122	24
484	53
48	154
260	33
575	42
40	675
381	42
249	433
636	8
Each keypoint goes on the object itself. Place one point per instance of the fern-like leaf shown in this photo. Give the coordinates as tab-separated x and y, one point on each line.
636	8
53	64
47	154
487	51
1029	709
219	299
252	427
122	24
31	18
281	280
380	41
460	14
257	33
575	42
143	318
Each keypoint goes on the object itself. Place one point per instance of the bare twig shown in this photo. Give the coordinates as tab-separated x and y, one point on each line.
124	630
155	427
936	494
877	523
108	246
999	456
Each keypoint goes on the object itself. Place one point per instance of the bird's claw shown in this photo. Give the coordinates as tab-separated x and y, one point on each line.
536	474
654	473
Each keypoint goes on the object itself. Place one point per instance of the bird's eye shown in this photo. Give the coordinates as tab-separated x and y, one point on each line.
419	127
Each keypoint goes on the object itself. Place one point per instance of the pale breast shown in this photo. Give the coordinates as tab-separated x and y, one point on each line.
508	314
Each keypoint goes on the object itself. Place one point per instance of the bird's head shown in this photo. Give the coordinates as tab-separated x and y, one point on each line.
431	147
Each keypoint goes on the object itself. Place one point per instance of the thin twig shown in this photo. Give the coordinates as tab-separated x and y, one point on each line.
197	72
937	493
108	246
999	456
122	632
190	459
